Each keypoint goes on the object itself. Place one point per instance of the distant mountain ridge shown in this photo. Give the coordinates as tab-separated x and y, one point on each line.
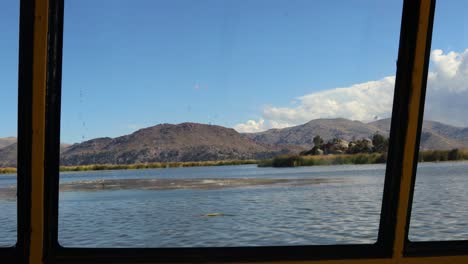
201	142
8	155
435	135
7	141
303	135
170	143
8	152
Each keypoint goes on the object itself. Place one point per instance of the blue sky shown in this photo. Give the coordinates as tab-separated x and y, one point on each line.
131	64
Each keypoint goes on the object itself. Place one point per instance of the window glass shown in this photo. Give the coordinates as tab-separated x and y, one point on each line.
293	98
9	17
440	204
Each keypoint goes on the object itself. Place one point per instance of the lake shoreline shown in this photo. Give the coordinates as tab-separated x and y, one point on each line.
277	162
360	158
141	166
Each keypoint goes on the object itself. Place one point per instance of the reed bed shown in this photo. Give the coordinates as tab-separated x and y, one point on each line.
7	170
155	165
280	161
360	158
138	166
442	155
339	159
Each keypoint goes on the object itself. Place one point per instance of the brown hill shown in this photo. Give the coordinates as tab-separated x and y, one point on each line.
8	152
167	142
7	141
435	135
8	156
302	135
199	142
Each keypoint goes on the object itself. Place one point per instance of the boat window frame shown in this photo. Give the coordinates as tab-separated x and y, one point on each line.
384	251
383	248
18	253
427	248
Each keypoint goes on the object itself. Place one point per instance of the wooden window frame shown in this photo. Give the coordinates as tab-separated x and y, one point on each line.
40	70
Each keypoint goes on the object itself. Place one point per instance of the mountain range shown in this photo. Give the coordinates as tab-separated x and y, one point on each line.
201	142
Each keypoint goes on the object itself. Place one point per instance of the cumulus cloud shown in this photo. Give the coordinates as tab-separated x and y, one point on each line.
447	98
365	101
362	101
447	95
251	126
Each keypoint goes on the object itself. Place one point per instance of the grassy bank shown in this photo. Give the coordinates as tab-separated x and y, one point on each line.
7	170
296	160
139	166
280	161
155	165
361	158
443	155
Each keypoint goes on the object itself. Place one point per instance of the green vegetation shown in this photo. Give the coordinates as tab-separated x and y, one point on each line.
7	170
336	151
155	165
360	158
338	159
280	161
378	144
139	166
442	155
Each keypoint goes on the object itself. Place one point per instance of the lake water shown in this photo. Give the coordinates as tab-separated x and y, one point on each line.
345	210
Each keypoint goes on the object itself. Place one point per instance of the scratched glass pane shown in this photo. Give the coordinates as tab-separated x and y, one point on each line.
440	207
225	123
9	19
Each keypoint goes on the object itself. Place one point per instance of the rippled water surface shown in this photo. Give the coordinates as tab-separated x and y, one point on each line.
7	211
342	211
440	206
328	213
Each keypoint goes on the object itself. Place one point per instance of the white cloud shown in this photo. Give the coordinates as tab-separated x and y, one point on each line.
446	65
362	101
358	102
447	98
447	95
251	126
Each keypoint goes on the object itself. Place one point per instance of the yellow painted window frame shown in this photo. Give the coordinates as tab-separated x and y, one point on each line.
37	249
